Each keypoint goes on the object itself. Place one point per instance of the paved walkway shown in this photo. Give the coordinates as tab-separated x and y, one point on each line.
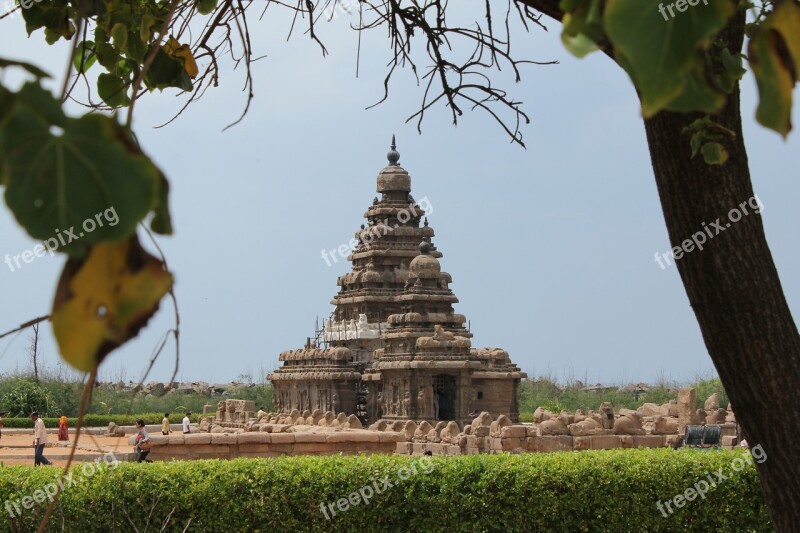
17	449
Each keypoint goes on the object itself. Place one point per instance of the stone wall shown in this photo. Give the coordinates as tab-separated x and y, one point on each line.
261	444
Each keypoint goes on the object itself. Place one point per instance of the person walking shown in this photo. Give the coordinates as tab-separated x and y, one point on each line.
186	428
39	440
143	442
165	425
2	414
63	430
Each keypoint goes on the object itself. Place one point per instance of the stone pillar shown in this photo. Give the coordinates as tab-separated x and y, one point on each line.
687	409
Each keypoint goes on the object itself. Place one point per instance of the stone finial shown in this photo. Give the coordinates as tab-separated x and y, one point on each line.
393	156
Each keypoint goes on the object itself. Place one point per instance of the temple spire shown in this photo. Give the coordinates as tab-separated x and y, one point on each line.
393	156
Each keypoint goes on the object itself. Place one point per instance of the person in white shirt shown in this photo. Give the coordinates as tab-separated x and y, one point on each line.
186	428
39	440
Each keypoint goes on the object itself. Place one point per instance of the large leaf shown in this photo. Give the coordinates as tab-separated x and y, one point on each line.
105	299
113	90
774	54
661	52
76	185
167	71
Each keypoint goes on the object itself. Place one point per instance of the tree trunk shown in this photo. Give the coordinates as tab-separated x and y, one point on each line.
734	289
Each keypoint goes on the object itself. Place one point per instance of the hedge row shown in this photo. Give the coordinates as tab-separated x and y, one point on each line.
101	420
604	491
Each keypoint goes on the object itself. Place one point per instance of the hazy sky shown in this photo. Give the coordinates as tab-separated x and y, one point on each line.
551	249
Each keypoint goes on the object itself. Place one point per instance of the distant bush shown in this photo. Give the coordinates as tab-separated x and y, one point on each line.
24	396
599	491
546	393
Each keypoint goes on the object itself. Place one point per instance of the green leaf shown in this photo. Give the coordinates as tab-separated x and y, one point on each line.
167	71
661	52
73	179
732	71
714	153
107	55
84	56
204	7
113	90
119	35
146	28
32	69
583	28
774	54
697	94
162	221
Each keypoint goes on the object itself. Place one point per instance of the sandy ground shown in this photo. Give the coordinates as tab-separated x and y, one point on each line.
18	449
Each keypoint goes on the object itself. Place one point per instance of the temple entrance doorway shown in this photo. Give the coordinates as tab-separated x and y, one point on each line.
444	397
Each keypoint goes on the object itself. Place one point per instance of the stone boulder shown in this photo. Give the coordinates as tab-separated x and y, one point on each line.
650	409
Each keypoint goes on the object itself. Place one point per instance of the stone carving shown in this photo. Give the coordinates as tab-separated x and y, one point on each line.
665	425
421	433
628	423
606	416
354	423
410	429
114	430
433	435
717	416
712	403
701	416
406	408
450	432
587	426
380	425
553	426
496	427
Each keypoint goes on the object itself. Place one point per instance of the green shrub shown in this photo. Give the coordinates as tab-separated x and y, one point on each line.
603	491
101	420
26	395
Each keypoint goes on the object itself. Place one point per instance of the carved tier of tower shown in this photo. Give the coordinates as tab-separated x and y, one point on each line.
395	348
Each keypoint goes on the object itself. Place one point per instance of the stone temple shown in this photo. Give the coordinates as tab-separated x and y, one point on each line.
394	348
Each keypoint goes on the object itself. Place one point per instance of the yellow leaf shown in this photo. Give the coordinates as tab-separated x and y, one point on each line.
183	52
774	54
103	300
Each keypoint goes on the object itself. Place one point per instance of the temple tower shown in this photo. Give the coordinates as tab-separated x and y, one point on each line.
394	347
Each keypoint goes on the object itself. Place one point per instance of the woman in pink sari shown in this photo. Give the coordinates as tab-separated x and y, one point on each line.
63	432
